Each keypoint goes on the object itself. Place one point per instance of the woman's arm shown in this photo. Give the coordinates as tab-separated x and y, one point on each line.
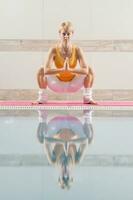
50	154
82	62
81	58
49	62
84	69
81	151
79	71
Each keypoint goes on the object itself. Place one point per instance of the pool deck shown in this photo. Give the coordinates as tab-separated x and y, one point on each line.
65	105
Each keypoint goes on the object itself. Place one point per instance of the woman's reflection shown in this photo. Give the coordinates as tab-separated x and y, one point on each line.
65	139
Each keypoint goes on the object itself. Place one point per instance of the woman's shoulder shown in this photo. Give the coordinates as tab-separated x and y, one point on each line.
52	50
78	50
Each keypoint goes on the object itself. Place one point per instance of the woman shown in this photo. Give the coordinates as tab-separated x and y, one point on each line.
65	76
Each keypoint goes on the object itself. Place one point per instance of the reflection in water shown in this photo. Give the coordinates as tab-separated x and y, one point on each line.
65	138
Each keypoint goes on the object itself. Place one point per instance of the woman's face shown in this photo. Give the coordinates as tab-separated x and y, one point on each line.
65	35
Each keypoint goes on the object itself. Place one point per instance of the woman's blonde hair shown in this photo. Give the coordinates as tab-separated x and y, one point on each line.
66	26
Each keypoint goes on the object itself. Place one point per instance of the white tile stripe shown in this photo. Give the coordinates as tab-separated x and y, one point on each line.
89	160
87	45
86	107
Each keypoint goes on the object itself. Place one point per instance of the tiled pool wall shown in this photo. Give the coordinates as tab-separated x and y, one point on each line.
116	95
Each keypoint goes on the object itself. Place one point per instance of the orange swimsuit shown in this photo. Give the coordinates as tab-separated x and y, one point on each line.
59	63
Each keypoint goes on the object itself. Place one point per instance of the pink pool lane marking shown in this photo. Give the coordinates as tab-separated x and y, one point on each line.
65	103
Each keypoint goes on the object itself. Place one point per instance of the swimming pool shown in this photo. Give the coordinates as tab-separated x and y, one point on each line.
100	169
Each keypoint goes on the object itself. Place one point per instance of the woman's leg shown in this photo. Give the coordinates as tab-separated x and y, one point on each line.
88	127
89	79
42	82
41	79
42	126
88	83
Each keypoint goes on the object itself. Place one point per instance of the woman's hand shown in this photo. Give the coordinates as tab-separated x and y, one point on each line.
66	64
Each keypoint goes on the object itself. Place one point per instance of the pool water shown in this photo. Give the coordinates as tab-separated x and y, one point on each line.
92	154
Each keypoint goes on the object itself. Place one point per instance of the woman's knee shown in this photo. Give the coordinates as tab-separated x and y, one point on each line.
42	80
91	72
40	72
90	75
